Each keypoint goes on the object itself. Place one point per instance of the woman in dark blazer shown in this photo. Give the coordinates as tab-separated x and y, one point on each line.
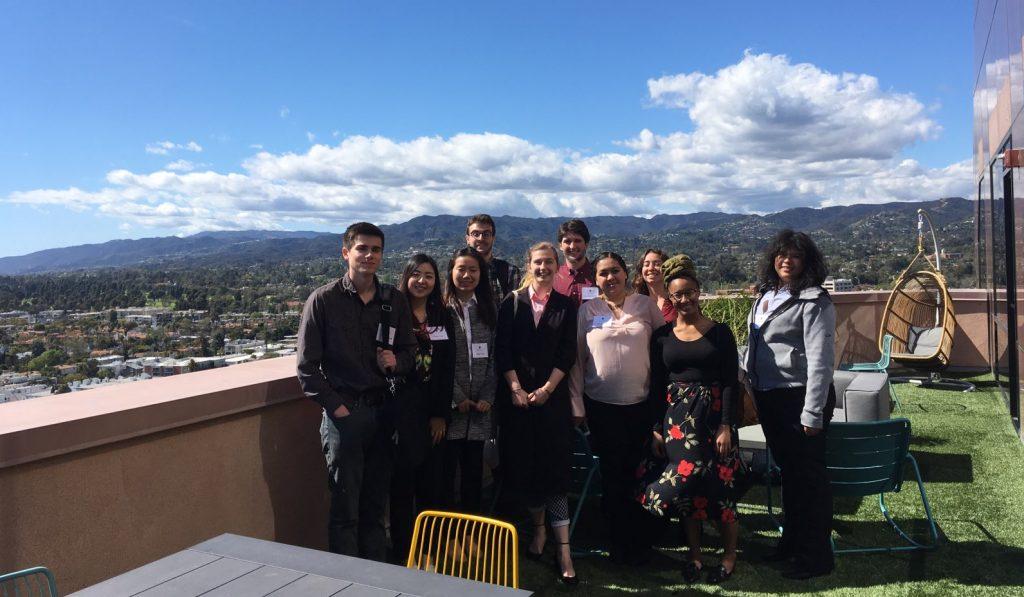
422	412
535	349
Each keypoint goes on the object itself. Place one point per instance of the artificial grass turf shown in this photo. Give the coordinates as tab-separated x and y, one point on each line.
972	464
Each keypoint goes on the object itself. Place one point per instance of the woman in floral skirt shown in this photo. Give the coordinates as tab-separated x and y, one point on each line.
694	393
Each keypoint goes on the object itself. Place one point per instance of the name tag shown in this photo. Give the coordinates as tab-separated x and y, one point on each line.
600	320
589	292
479	350
438	333
391	335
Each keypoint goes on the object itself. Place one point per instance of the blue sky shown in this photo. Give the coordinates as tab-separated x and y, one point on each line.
399	97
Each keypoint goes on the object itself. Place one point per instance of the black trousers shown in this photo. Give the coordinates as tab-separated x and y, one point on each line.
414	488
466	457
619	436
359	492
806	492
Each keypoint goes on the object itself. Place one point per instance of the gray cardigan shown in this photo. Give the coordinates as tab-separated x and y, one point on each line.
796	347
474	378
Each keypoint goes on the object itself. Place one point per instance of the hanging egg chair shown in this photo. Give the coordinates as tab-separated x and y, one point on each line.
920	318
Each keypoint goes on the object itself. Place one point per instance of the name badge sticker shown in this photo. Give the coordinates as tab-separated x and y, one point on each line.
600	320
589	292
479	350
438	333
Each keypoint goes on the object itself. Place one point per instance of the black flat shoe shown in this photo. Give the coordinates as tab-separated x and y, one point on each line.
571	581
691	572
719	574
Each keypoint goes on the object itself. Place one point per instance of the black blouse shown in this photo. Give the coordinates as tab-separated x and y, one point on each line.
709	359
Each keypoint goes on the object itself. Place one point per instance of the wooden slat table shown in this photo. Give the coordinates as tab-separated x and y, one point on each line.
243	566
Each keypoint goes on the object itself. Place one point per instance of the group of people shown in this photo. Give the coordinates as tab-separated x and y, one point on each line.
482	365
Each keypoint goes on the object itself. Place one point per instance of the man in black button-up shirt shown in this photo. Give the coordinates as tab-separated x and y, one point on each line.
344	358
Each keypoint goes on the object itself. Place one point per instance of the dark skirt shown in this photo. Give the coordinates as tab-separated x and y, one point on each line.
536	447
693	481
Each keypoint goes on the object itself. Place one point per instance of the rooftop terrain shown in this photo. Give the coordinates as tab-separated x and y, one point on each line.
973	467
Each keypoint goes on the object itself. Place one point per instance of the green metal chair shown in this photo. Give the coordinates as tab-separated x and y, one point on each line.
31	581
882	365
869	458
584	480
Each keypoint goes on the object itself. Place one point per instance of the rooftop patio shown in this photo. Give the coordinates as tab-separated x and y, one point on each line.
97	483
973	467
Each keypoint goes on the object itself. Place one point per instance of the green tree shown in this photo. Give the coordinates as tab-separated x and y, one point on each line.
46	361
89	368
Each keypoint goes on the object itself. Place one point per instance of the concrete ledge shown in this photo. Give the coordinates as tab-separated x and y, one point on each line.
54	425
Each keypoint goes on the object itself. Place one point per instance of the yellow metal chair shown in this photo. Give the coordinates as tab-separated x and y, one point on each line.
465	546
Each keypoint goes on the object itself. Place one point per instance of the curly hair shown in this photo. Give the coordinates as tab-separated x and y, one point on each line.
639	284
789	241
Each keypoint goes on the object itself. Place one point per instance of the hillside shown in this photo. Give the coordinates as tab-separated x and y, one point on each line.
867	242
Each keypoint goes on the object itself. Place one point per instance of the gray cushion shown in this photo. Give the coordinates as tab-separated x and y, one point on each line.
923	341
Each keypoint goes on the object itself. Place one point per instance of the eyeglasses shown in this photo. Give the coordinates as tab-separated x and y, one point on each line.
481	234
689	294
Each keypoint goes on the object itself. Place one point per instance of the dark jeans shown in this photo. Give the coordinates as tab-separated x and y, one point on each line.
806	492
619	435
359	491
468	457
413	490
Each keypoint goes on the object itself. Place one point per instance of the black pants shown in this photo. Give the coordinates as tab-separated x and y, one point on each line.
806	492
359	493
619	435
466	456
414	488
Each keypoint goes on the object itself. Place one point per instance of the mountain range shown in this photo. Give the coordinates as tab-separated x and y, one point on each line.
704	233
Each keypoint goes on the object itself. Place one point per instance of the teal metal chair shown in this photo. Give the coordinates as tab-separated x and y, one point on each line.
31	581
870	458
584	480
882	365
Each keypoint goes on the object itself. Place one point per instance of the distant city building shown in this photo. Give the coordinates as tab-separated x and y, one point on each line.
243	346
15	392
49	316
838	284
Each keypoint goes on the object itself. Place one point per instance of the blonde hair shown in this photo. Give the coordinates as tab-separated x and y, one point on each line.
527	273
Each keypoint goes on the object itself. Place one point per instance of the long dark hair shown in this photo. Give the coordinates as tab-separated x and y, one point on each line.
484	296
435	305
815	269
639	284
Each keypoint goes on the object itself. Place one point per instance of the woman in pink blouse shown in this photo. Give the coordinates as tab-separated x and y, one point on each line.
609	387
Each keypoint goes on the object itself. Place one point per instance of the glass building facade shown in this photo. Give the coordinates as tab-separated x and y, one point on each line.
998	127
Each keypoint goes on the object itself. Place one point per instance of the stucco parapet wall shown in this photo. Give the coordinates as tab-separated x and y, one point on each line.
44	427
881	296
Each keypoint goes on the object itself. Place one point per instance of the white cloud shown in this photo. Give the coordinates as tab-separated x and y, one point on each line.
310	136
284	112
765	135
180	166
166	147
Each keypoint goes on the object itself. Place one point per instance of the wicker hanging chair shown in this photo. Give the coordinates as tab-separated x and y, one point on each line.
920	318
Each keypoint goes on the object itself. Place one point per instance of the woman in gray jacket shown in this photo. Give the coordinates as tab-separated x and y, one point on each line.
468	297
789	362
